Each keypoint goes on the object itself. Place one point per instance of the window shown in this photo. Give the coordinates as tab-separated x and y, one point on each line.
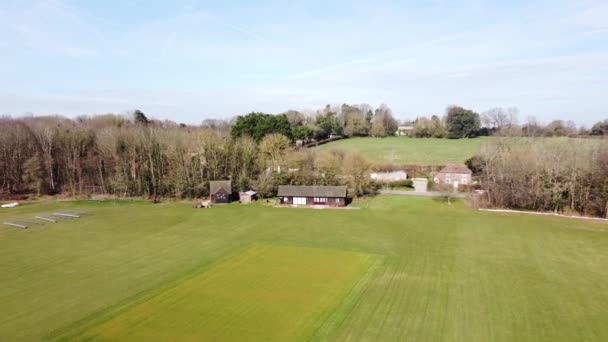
299	200
320	200
464	181
337	200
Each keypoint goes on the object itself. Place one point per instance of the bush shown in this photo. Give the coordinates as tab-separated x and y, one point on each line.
406	183
476	164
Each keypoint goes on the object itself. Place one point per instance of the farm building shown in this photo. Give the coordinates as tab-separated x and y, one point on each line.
389	177
454	174
220	192
248	196
332	196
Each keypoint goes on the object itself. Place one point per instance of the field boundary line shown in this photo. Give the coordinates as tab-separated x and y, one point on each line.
511	211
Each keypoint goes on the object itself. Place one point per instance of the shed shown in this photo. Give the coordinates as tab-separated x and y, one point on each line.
332	196
220	191
248	196
420	184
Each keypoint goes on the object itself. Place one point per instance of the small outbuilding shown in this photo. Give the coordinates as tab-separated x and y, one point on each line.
220	192
420	184
248	196
331	196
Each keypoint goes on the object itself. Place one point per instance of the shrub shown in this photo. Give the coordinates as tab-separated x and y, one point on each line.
406	183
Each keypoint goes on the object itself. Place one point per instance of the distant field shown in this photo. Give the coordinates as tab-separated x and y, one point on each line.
398	269
404	150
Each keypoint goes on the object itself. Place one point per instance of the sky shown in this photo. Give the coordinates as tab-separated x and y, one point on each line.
191	60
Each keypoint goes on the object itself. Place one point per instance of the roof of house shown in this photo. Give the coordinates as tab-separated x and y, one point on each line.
312	191
250	193
455	168
215	186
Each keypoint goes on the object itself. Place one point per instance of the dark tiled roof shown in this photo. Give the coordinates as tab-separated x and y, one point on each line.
312	191
215	186
455	168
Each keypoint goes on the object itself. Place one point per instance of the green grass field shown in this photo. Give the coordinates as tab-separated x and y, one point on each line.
398	269
249	296
404	150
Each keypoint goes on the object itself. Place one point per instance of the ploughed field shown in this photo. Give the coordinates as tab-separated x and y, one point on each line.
398	269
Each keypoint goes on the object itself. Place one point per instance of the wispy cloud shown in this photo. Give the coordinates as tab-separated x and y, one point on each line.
227	58
594	17
49	27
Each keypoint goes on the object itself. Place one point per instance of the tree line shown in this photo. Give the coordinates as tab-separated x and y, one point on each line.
559	175
463	123
346	120
355	121
362	120
133	157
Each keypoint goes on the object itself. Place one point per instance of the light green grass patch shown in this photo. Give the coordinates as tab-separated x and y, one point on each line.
403	150
263	293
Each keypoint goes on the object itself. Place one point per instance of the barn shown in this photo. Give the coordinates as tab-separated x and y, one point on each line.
220	192
331	196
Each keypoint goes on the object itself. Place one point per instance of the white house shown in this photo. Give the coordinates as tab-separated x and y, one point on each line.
405	130
389	177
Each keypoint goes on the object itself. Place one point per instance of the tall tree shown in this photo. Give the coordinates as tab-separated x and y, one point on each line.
329	164
258	125
272	151
355	123
15	150
357	167
600	128
501	121
140	118
462	123
326	123
429	128
383	122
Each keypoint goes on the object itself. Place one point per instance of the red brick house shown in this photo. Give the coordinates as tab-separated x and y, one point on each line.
453	174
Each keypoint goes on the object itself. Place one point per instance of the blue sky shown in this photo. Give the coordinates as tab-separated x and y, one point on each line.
192	60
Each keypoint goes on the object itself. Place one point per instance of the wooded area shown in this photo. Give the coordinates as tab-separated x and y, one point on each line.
138	157
565	175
